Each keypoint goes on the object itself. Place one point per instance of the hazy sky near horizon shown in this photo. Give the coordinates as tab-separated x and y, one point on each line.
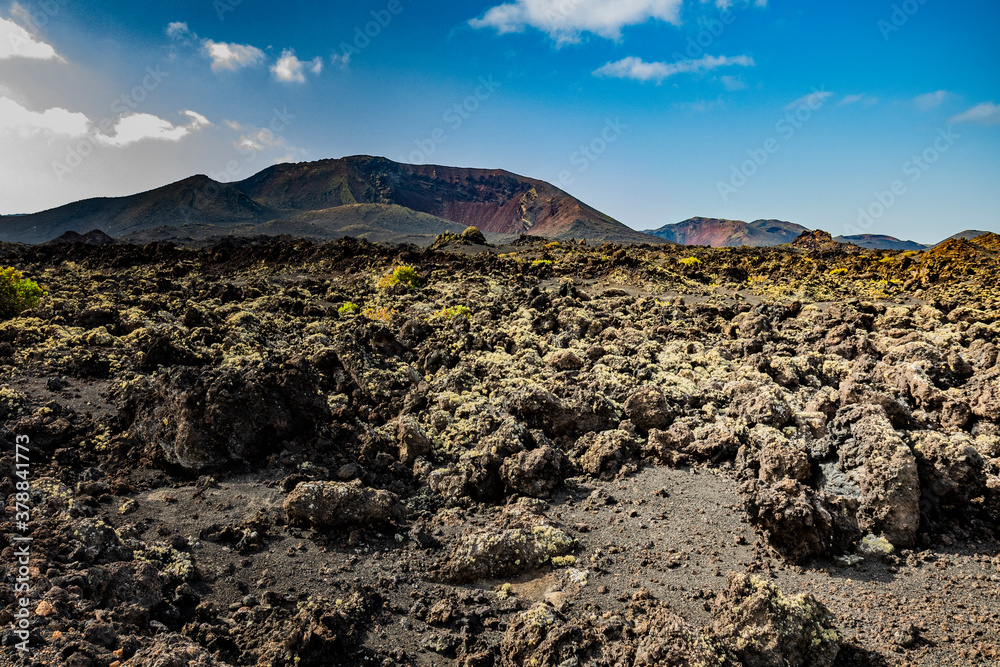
855	116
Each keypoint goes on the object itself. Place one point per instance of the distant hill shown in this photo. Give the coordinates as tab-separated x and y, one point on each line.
881	242
720	233
93	237
967	235
729	233
357	196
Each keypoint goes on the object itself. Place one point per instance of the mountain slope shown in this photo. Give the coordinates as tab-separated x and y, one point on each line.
196	199
729	233
355	196
495	201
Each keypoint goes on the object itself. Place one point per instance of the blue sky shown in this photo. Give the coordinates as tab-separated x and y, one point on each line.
851	116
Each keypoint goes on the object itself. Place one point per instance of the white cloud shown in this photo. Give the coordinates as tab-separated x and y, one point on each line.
16	42
289	68
259	139
128	129
178	30
639	70
197	120
232	56
726	4
733	82
136	127
930	101
565	20
986	113
862	99
317	66
813	100
16	118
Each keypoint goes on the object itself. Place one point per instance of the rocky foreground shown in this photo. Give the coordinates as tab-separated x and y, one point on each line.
264	453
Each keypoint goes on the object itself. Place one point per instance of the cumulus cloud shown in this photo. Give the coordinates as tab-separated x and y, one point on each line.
566	20
127	129
639	70
292	70
929	101
986	113
136	127
232	56
16	42
16	119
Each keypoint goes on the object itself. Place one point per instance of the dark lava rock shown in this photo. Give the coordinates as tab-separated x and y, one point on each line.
200	419
648	408
797	522
173	650
534	473
334	504
767	629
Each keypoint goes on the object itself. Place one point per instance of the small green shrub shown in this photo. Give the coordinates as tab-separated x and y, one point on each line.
383	315
542	262
17	293
689	261
453	312
348	308
403	274
838	272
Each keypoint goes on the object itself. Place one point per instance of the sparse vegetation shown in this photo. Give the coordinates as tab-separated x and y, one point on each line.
542	262
402	274
838	272
690	261
348	309
17	293
383	315
452	312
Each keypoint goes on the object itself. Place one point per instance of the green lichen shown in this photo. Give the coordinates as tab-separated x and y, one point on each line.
176	565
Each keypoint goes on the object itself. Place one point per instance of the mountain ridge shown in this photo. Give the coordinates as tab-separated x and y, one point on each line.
276	199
